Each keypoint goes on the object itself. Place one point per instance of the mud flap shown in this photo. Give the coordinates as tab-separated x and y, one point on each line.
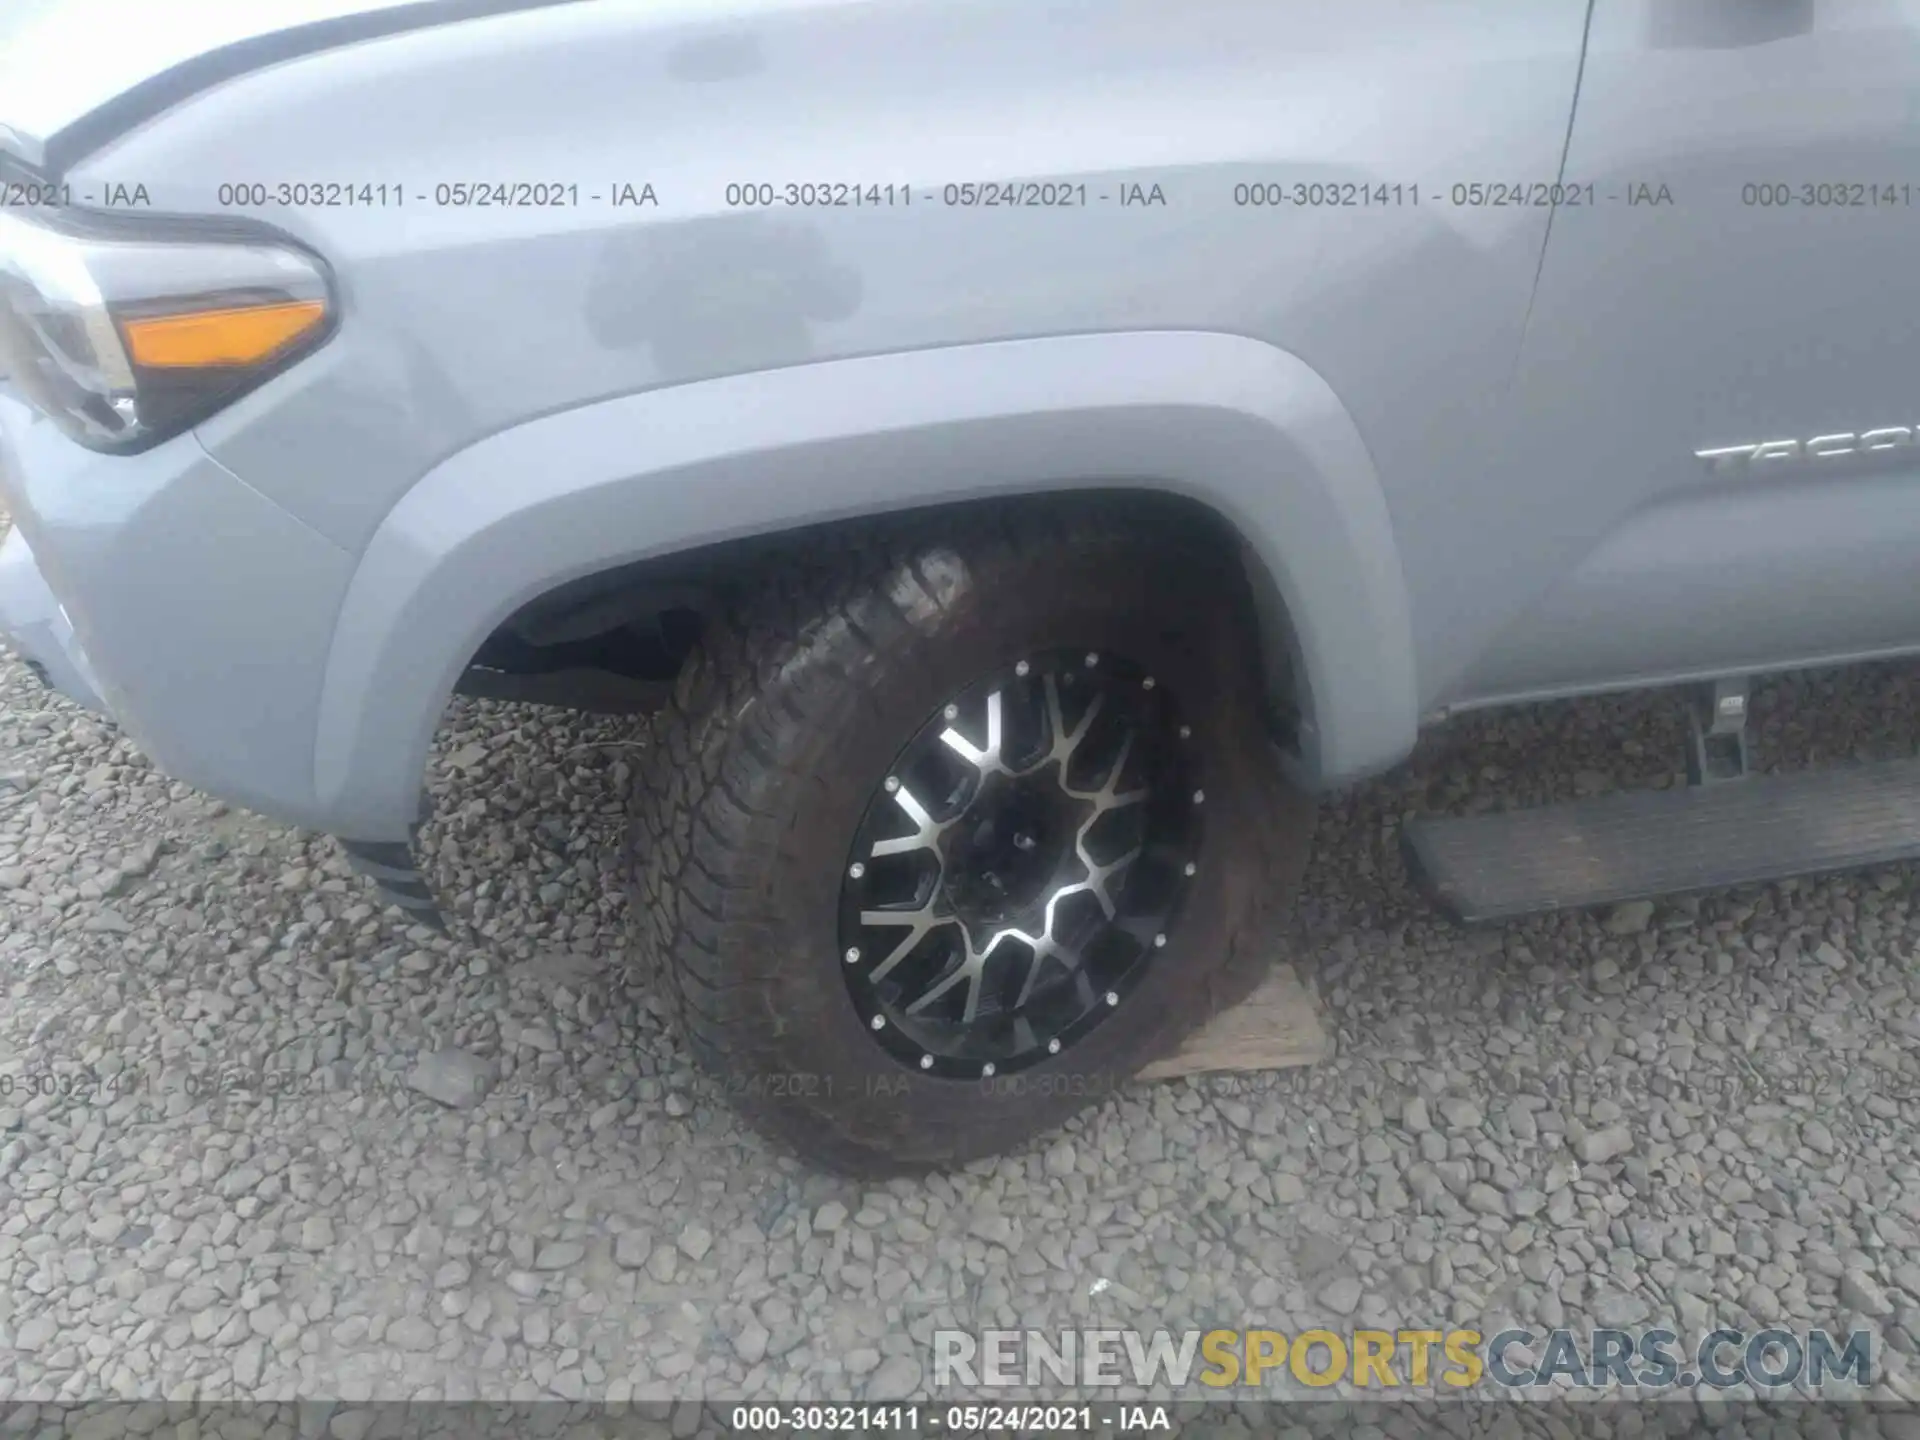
393	868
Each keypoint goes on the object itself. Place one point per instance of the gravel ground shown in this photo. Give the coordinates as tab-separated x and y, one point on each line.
1689	1113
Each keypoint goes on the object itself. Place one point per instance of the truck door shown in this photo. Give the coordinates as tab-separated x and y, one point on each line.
1717	399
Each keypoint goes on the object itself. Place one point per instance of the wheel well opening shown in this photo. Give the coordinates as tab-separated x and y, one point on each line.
615	641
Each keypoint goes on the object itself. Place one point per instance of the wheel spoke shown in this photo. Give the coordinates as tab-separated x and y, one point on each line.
1064	741
1034	967
926	829
990	759
920	923
969	971
1108	796
1107	786
1101	877
1098	878
916	812
1046	949
1023	1035
964	748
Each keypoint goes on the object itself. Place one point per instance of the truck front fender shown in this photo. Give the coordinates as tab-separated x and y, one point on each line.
1240	426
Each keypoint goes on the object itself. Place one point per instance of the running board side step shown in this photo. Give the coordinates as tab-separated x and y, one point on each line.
1638	845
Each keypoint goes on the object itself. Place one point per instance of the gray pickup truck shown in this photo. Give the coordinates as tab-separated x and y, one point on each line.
1017	454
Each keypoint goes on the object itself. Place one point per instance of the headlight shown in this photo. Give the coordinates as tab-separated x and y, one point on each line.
125	341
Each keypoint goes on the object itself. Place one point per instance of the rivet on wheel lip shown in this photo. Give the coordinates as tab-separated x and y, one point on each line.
926	1062
893	784
879	1022
1053	1046
1159	942
853	952
1147	684
1113	997
1186	732
856	870
1093	658
1199	797
1019	669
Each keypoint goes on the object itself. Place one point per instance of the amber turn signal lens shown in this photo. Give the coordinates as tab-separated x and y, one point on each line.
213	338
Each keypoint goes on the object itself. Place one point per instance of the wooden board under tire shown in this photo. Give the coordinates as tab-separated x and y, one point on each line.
1275	1027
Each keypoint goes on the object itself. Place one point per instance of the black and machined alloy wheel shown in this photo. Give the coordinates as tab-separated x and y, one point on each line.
1019	868
946	834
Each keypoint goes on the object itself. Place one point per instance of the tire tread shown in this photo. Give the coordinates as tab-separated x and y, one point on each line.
699	816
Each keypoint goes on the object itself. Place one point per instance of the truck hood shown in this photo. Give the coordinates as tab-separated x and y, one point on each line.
75	73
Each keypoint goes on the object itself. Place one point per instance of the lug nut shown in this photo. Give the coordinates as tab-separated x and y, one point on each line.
1192	869
1093	658
986	1070
952	712
1053	1047
1019	669
1160	942
893	784
1147	684
1186	732
856	870
879	1022
1199	797
853	955
926	1062
1112	998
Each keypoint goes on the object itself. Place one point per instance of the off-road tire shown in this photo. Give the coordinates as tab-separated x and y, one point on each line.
785	720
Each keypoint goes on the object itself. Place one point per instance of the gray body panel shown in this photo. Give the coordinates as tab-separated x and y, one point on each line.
39	625
202	610
1247	429
1457	439
1661	330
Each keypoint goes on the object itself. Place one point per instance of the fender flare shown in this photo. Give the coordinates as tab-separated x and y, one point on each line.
1233	423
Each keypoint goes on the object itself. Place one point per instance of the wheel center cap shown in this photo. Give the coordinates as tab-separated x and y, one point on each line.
1005	855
